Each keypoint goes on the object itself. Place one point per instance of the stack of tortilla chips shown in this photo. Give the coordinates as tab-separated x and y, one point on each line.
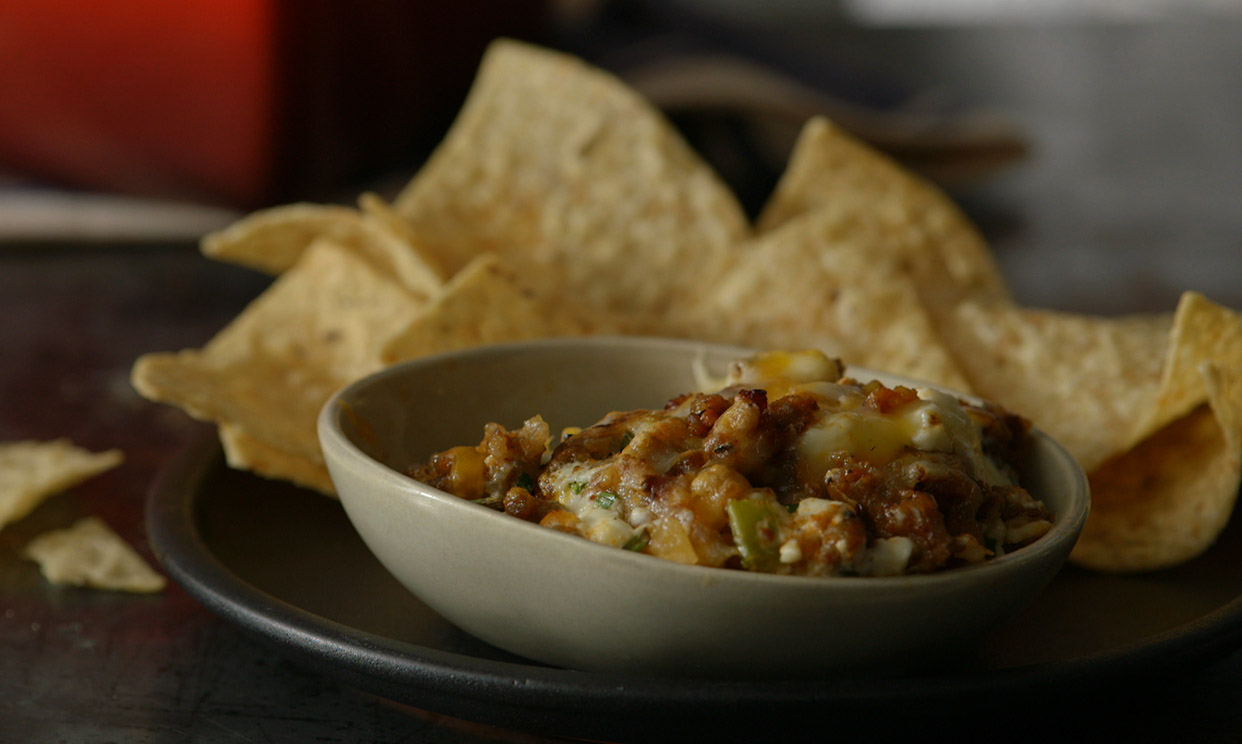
561	203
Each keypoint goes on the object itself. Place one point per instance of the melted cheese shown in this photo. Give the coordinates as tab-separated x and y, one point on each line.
780	372
887	556
935	422
600	523
794	366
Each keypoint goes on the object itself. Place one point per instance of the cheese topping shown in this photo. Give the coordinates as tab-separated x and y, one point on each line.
935	422
600	513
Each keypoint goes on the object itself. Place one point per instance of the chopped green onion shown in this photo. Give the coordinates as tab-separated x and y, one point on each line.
577	486
638	543
492	502
625	440
526	482
606	500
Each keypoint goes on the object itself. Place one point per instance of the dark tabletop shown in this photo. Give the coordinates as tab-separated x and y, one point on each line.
1132	192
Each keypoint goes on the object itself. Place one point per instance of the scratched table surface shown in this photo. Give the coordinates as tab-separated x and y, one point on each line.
1132	193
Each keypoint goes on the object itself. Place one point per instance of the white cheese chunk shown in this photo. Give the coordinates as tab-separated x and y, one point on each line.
887	556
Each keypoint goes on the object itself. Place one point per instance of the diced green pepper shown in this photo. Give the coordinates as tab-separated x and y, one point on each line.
756	527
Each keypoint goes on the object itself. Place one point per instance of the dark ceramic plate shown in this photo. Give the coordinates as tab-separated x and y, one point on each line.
287	565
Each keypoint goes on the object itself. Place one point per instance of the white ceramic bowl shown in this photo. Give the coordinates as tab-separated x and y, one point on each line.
569	602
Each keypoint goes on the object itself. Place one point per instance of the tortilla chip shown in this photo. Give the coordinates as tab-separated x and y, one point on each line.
489	303
828	167
1224	389
263	396
576	181
834	280
272	240
1202	332
1084	380
320	325
423	274
244	452
332	313
90	554
1168	499
31	471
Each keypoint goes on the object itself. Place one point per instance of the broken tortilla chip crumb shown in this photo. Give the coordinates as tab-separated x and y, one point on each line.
90	554
31	471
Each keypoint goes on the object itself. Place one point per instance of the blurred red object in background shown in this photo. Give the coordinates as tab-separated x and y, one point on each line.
238	102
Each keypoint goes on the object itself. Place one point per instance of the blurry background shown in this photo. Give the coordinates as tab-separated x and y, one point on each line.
1087	139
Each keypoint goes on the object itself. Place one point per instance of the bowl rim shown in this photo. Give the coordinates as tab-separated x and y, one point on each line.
1059	539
